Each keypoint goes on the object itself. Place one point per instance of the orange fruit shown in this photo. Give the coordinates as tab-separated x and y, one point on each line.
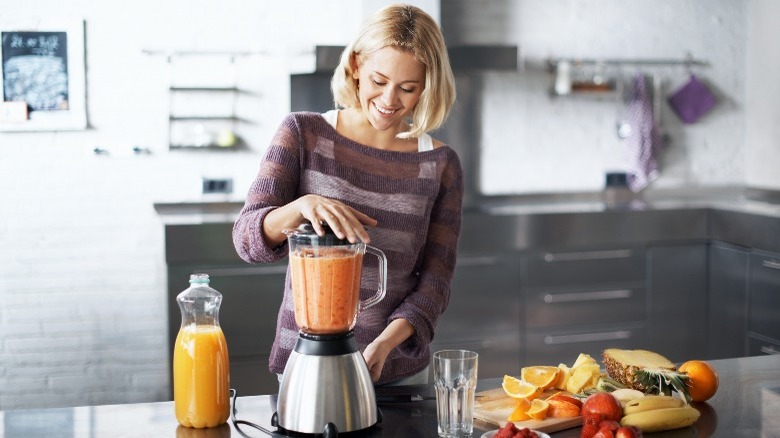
517	388
541	376
703	379
538	409
520	411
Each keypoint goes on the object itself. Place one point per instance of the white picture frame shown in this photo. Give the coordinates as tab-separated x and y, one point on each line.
33	66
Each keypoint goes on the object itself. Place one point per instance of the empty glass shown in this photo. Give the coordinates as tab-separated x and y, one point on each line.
455	380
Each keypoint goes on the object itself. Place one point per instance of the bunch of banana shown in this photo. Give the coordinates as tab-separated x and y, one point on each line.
654	413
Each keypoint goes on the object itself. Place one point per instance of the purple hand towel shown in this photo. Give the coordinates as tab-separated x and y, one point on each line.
643	141
692	100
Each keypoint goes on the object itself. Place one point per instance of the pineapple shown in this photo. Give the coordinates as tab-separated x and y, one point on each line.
645	371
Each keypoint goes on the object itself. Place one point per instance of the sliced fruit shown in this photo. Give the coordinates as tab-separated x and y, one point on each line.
538	409
520	411
541	376
583	359
582	378
517	388
560	408
563	376
565	397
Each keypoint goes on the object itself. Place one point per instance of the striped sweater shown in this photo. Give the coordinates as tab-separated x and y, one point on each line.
416	197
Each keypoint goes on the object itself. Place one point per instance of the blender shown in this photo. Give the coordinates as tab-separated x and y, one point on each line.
326	387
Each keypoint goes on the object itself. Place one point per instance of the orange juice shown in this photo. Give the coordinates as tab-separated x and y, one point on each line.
201	382
326	291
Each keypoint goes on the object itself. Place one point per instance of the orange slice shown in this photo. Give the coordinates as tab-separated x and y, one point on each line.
519	413
541	376
538	409
517	388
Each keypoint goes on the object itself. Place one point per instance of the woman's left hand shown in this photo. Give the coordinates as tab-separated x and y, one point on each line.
376	352
375	355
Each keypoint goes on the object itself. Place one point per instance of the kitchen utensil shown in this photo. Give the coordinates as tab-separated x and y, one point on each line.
493	433
493	407
326	387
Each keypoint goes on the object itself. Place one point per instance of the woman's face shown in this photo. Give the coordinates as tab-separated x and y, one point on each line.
390	84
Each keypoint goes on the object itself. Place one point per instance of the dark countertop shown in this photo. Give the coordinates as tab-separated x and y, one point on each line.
746	405
737	215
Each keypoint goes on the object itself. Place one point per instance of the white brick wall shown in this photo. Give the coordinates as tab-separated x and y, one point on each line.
82	275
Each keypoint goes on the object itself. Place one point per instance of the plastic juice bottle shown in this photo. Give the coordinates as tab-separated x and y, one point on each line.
201	370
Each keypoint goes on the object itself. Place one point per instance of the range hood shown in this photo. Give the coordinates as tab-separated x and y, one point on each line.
463	59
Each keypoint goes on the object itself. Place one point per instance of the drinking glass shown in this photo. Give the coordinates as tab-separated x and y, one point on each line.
455	380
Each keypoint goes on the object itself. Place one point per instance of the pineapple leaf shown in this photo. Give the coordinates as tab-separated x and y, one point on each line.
663	382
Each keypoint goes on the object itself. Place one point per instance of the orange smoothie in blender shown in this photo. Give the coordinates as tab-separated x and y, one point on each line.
201	383
326	290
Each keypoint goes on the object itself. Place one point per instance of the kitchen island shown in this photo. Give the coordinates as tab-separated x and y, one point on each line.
746	405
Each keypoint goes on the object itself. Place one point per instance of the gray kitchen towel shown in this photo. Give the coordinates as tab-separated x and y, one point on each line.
643	142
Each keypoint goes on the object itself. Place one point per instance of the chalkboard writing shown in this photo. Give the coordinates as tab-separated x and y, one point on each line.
35	69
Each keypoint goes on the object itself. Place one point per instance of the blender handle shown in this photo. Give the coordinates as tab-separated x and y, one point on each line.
382	272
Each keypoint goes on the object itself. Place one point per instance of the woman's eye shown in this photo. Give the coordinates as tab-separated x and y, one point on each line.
377	82
407	90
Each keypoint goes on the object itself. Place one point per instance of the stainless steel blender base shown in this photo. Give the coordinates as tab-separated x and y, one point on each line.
323	386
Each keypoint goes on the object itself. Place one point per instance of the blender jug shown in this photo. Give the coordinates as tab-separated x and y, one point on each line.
326	277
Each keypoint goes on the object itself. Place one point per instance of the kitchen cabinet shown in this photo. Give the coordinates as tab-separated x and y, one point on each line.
677	304
484	312
583	301
251	294
727	303
764	303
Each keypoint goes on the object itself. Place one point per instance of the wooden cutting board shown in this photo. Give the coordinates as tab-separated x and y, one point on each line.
494	406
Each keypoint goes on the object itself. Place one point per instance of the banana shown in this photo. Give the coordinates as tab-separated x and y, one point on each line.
650	403
625	395
657	420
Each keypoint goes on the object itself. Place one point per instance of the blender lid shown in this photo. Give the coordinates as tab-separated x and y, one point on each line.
306	235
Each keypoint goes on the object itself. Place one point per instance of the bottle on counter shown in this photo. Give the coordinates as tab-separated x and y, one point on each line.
201	371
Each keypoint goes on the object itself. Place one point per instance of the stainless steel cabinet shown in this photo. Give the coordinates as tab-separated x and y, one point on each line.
583	302
764	303
484	312
677	311
727	303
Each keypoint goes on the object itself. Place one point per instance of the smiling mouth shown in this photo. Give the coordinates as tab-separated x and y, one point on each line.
384	110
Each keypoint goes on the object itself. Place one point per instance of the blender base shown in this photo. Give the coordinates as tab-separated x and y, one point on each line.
326	383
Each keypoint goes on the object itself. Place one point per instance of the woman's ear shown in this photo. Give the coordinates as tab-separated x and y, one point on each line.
353	65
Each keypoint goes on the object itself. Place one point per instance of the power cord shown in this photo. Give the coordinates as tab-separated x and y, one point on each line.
236	422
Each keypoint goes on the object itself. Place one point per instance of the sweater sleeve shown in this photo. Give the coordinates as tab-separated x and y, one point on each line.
423	307
276	184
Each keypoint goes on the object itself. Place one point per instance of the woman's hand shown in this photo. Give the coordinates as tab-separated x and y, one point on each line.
345	221
392	336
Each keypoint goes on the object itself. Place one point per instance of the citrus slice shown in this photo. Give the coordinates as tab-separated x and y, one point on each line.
541	376
517	388
519	413
538	409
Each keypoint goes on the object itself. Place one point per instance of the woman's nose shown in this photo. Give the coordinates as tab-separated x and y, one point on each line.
388	96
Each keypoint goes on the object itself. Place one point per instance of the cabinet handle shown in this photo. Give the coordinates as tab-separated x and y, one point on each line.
587	337
588	296
552	257
238	272
771	264
769	349
477	261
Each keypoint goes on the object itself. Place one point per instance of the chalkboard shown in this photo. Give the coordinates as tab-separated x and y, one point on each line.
35	69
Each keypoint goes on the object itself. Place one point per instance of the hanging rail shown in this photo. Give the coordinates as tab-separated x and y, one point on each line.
687	62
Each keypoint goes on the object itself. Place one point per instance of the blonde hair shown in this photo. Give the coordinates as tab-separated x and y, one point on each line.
410	29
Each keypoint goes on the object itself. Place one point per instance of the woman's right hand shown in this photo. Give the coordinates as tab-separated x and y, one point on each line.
345	221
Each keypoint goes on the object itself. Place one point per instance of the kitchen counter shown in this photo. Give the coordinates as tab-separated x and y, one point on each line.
737	215
746	405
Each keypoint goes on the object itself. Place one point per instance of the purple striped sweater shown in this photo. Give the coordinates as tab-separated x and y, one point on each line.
416	197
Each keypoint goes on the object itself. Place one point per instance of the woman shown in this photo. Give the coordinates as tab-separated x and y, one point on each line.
371	173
